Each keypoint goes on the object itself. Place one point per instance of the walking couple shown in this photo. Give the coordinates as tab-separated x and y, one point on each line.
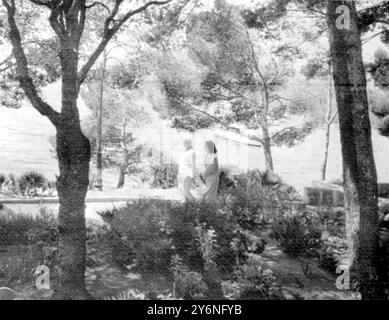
209	177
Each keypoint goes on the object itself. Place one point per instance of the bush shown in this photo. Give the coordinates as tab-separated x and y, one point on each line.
333	221
254	201
252	282
30	182
204	233
330	252
149	232
10	186
209	239
188	284
28	241
298	235
22	229
165	175
138	234
44	229
2	179
383	213
19	263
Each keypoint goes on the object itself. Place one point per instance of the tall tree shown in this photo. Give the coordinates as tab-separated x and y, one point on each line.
67	19
123	118
246	71
360	177
321	67
345	25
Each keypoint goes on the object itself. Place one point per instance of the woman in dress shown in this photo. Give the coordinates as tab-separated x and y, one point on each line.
210	176
187	170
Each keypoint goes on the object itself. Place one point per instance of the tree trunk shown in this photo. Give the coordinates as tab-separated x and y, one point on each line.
99	160
124	166
73	151
266	143
122	177
360	179
328	126
325	158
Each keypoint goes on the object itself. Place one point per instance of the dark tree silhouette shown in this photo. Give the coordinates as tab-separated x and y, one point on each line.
67	19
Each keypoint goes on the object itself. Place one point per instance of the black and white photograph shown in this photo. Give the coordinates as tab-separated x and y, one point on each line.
212	151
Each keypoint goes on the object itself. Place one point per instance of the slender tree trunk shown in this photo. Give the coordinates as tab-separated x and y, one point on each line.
73	151
124	166
360	179
266	140
326	146
266	143
328	126
122	177
262	118
99	160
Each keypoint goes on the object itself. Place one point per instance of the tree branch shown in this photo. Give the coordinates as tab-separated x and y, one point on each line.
256	138
96	3
225	124
6	60
55	23
286	129
22	67
366	40
333	117
374	14
42	3
81	23
109	32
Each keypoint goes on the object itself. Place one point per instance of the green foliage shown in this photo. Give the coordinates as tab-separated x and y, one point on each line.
149	232
208	245
202	233
298	235
130	294
188	284
165	175
227	176
379	69
36	46
316	67
252	282
139	235
293	135
331	250
313	233
19	263
384	210
378	101
201	241
333	221
22	229
2	178
164	22
26	242
30	181
44	229
123	116
192	122
257	198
